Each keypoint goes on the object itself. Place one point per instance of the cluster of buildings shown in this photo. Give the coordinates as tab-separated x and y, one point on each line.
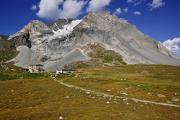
39	68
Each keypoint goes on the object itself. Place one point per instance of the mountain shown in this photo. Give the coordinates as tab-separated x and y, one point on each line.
98	36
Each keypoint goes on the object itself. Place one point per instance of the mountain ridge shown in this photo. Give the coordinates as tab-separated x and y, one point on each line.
102	28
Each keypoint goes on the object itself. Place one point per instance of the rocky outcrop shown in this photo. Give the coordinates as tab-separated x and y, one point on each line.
21	39
30	34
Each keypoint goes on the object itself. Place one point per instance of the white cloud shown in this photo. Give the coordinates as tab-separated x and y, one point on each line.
120	10
173	45
49	9
137	13
34	7
156	4
98	5
54	9
135	2
72	8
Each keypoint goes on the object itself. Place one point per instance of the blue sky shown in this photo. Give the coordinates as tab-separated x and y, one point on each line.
160	21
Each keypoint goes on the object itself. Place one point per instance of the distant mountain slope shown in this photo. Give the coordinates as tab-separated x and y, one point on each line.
64	42
3	37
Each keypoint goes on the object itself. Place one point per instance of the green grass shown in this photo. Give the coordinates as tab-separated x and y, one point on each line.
24	75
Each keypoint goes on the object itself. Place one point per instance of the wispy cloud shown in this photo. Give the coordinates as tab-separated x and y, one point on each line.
153	4
34	7
135	2
137	13
120	11
130	1
156	4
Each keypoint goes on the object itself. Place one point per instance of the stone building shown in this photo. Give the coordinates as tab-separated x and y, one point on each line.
36	68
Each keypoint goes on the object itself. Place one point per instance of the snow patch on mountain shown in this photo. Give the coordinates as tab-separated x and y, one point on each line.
66	29
173	45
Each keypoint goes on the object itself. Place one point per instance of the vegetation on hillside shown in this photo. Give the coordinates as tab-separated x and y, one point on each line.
99	57
105	56
7	52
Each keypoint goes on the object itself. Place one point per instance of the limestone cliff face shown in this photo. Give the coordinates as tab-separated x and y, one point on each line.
66	41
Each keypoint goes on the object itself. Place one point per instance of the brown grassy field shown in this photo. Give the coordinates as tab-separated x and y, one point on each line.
139	81
38	97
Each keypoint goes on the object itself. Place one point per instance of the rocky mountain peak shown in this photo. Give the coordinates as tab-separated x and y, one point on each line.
101	20
33	32
33	28
36	26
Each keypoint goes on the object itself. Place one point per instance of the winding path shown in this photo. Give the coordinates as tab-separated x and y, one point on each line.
111	96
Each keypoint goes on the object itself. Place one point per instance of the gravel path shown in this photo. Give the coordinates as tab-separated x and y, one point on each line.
112	96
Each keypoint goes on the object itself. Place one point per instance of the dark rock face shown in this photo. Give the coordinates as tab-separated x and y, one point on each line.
22	39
